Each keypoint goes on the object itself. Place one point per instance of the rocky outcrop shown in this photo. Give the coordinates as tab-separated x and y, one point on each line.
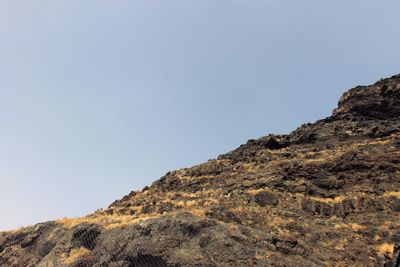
326	194
378	101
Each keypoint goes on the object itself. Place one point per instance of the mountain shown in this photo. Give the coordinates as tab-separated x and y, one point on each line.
327	194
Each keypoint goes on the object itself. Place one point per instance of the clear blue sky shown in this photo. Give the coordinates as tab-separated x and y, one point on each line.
98	98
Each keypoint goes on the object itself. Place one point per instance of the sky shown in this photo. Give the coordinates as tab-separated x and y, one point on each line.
98	98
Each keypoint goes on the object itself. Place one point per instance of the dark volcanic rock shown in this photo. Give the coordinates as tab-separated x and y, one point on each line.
378	101
266	199
327	194
85	236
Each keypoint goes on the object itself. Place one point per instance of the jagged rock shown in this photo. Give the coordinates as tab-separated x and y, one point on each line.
395	206
326	194
85	236
266	199
378	101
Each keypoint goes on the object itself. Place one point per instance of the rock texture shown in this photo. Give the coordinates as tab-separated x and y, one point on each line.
328	194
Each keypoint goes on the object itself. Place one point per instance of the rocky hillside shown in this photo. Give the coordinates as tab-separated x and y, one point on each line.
328	194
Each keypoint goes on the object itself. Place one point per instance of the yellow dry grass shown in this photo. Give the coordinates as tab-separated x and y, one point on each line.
185	203
248	166
321	156
120	220
380	142
335	200
255	191
197	212
389	224
74	255
392	194
278	221
354	226
107	221
385	249
277	151
202	193
340	246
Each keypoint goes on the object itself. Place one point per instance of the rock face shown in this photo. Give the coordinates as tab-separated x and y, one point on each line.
328	194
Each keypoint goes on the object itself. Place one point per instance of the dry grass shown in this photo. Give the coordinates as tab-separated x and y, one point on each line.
200	202
380	142
277	151
198	194
335	200
278	221
187	202
389	224
255	191
249	166
385	249
192	206
197	212
353	226
107	221
74	255
392	194
340	247
120	220
321	156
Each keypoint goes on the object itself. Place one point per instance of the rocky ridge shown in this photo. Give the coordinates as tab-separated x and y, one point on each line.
326	194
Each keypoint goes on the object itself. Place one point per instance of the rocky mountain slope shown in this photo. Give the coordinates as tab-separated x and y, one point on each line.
328	194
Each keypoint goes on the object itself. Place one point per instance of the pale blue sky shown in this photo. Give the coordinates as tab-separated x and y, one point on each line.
98	98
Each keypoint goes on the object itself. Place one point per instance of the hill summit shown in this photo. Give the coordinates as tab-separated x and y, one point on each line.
327	194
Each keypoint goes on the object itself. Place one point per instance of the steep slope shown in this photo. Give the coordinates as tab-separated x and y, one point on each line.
328	194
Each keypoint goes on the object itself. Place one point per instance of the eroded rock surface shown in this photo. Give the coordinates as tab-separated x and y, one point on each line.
328	194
